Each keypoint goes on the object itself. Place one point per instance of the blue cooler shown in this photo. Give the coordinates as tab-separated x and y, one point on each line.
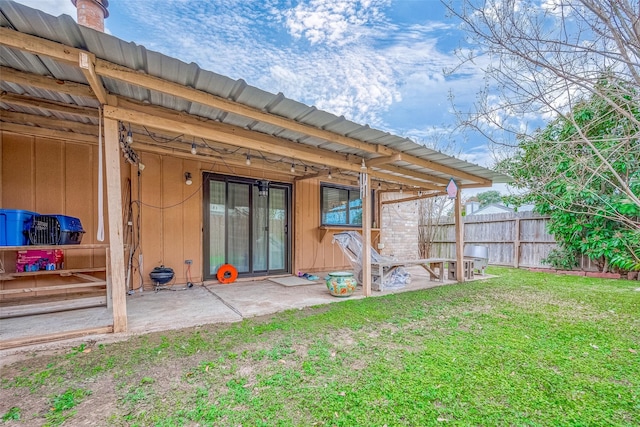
13	227
54	230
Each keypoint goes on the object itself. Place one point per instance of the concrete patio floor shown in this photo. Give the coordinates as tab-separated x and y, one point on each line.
178	307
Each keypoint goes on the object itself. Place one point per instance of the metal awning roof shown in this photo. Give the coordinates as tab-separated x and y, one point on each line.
406	161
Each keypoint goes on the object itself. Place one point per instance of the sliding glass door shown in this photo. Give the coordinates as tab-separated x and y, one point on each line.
245	229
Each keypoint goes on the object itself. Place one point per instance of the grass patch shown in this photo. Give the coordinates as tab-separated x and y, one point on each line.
524	348
62	405
13	414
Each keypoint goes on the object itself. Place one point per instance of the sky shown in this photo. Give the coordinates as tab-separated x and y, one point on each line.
385	63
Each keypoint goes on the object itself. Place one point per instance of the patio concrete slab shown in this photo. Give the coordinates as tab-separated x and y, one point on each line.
177	308
259	298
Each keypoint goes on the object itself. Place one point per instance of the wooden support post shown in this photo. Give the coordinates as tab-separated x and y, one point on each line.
116	243
108	278
366	236
459	238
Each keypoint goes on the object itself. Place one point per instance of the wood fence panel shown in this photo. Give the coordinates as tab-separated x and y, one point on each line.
517	239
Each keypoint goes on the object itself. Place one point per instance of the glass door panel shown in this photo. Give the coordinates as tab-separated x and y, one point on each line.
217	225
238	226
244	229
260	231
278	223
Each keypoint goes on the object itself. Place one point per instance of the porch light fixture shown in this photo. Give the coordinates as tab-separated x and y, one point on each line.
330	176
263	188
187	178
293	168
248	161
194	150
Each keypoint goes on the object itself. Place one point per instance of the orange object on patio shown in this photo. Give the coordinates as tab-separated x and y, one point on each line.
226	274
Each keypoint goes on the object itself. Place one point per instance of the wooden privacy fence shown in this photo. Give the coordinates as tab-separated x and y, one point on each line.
515	239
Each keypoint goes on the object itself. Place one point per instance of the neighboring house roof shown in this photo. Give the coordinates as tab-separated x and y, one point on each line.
498	208
397	159
493	208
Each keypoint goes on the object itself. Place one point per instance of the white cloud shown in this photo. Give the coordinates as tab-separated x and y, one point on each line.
333	22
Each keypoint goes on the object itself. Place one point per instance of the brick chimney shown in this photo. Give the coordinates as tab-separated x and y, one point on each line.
91	13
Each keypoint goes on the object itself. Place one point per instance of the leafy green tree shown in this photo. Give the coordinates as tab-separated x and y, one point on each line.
488	197
590	191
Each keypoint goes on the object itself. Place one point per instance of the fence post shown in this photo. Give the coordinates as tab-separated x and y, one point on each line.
516	244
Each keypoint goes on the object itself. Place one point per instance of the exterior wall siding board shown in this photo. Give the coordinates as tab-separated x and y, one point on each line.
51	177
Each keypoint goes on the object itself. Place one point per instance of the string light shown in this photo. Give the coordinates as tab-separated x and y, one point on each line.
248	161
330	176
293	168
194	150
129	135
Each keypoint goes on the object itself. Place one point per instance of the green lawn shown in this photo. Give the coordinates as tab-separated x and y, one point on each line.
522	349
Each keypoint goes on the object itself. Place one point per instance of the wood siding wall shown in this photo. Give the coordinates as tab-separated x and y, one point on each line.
51	177
310	253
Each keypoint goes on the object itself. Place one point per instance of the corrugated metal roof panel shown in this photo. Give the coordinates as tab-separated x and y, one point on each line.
64	30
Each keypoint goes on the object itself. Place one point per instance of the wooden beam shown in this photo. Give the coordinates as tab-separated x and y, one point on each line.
39	46
234	136
283	170
402	180
383	160
410	199
116	241
431	165
170	121
45	82
55	106
49	133
488	184
86	62
49	122
319	174
281	146
415	174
